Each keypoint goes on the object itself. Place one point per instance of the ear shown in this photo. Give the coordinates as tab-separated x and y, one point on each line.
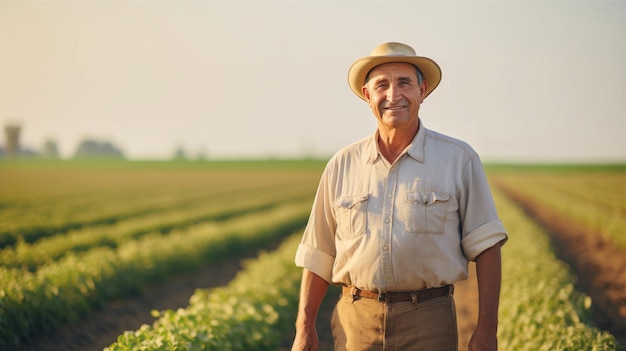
423	88
366	93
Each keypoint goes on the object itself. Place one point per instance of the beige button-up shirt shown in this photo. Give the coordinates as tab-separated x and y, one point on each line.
409	225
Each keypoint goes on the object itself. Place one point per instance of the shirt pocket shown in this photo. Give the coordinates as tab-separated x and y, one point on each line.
426	211
351	215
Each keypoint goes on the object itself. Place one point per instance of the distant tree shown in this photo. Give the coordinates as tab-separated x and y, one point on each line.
12	132
180	154
50	149
90	148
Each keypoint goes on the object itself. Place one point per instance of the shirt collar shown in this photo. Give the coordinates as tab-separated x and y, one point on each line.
416	150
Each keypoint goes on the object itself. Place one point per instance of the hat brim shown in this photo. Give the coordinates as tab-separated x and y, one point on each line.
361	67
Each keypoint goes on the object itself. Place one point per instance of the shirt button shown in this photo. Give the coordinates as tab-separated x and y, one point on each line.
387	220
385	248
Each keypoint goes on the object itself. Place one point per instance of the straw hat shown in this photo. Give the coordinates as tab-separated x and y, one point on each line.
392	52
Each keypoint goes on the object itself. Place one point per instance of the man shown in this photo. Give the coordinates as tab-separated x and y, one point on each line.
396	218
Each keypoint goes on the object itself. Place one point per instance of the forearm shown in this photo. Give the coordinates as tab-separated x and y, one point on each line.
489	274
312	292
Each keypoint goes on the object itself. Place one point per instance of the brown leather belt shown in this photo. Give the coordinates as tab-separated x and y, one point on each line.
416	296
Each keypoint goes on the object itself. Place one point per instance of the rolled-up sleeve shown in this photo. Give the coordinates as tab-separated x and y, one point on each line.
483	238
315	260
317	251
481	227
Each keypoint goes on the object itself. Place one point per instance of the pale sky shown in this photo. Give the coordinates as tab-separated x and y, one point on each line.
522	81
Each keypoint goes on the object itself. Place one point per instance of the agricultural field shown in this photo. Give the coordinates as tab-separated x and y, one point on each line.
81	239
584	212
77	236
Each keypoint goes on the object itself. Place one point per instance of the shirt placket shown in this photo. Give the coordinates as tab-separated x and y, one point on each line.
387	217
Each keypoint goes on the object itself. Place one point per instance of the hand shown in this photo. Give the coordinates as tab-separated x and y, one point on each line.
483	341
306	340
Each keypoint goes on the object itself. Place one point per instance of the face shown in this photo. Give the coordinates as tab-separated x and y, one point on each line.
394	94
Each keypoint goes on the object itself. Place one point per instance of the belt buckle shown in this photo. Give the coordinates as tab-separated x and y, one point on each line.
381	296
414	294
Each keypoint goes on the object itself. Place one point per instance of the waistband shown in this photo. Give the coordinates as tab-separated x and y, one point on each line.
416	296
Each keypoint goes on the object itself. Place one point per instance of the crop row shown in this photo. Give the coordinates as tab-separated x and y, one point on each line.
540	308
30	256
48	205
594	201
251	313
62	290
36	203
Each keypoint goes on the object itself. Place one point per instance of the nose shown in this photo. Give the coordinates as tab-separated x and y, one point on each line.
393	93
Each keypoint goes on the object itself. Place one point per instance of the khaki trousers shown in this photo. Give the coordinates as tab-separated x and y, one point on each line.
367	324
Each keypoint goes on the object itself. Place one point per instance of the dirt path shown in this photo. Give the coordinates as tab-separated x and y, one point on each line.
466	299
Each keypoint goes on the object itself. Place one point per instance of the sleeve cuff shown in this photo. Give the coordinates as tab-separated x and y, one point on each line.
483	238
316	261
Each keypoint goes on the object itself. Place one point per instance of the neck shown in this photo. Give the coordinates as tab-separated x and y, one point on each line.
392	142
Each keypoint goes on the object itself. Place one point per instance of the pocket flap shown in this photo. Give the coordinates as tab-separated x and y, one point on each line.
350	201
439	196
427	197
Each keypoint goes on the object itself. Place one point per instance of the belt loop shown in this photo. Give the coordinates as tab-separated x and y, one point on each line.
413	296
355	293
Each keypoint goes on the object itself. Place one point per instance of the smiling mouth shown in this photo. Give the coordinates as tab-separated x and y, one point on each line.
395	108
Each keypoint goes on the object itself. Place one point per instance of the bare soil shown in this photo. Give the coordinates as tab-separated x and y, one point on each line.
599	266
